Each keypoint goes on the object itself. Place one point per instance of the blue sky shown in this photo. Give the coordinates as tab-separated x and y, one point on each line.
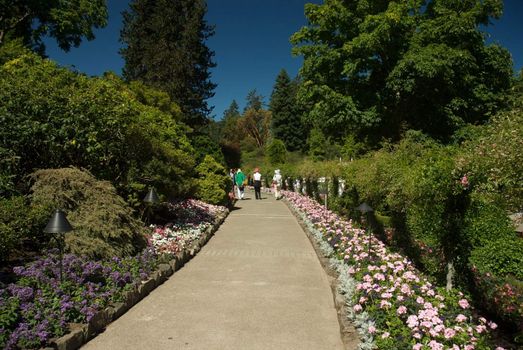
251	44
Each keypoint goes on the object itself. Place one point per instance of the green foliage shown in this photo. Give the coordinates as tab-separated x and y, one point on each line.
317	144
286	117
22	226
493	160
276	152
165	48
213	184
103	222
52	117
66	21
502	257
203	145
485	222
378	68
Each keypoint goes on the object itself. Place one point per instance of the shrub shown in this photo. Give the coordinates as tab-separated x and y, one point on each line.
485	222
103	223
277	152
502	257
21	227
213	184
54	118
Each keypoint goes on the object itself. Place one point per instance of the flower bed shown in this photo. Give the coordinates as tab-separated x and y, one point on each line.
190	220
39	308
391	303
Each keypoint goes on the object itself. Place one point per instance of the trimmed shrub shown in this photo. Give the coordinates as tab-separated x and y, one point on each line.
213	184
103	223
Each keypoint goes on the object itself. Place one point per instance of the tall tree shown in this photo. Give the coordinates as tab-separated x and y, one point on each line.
254	101
66	21
255	121
165	47
231	132
378	67
286	117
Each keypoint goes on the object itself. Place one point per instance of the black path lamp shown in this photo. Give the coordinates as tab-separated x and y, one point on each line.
365	209
150	198
59	225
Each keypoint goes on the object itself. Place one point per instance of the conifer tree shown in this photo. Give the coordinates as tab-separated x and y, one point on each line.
286	118
165	47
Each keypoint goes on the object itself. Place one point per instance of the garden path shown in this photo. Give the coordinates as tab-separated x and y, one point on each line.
257	284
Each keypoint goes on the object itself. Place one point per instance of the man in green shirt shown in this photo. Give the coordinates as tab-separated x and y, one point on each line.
239	179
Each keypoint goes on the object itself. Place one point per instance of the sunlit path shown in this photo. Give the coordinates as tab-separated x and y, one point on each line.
257	284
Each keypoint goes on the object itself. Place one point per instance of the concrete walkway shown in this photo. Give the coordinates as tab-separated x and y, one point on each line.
257	284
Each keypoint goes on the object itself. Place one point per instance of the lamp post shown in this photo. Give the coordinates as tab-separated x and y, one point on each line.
365	209
150	198
58	224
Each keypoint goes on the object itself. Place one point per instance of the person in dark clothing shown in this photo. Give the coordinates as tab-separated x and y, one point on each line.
257	183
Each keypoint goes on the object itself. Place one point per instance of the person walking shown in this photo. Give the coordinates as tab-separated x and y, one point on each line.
239	179
232	175
257	183
276	182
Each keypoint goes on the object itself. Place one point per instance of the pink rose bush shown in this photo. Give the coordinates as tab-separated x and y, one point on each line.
393	305
191	218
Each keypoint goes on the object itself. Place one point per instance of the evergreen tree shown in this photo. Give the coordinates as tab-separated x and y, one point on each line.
165	47
231	132
254	101
286	119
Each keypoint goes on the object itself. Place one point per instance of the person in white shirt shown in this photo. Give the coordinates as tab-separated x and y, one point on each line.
257	183
276	182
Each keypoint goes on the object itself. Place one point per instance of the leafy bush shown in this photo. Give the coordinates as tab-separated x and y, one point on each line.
21	227
52	117
103	223
502	257
485	222
493	160
213	184
277	152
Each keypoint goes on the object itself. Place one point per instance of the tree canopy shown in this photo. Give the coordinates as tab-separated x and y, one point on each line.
165	47
286	115
378	68
66	21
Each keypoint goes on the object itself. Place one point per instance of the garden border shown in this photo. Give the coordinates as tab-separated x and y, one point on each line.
80	334
349	334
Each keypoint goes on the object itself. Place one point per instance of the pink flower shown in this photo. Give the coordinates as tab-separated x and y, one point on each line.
449	333
357	308
481	328
372	329
464	303
412	321
417	346
401	310
385	304
385	335
492	325
434	345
